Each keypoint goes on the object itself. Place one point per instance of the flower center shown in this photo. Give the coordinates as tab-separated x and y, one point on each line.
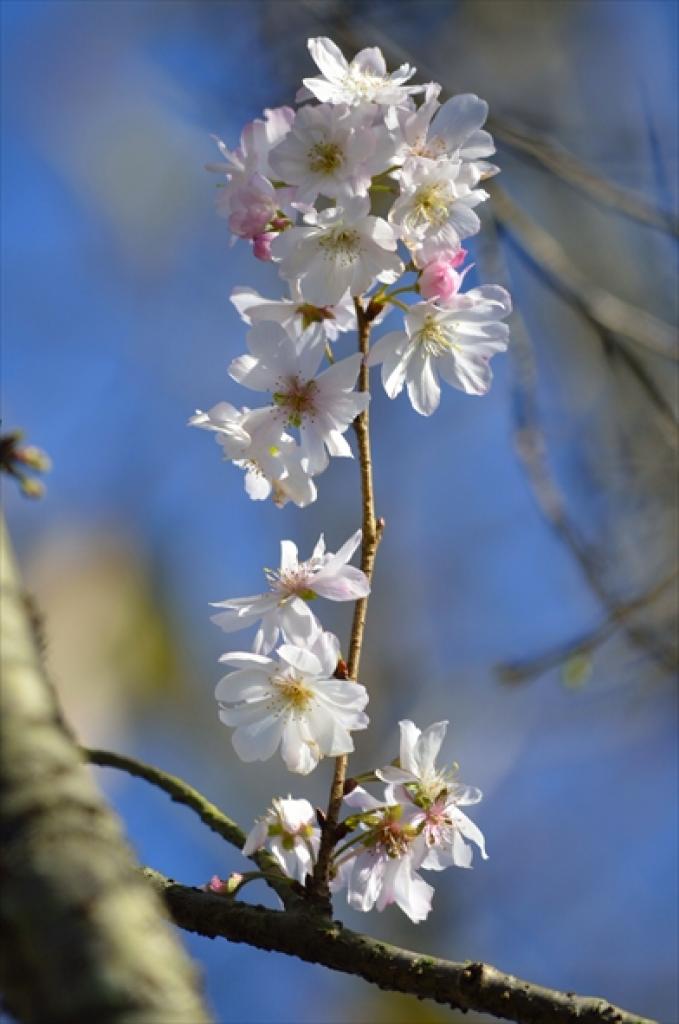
294	693
342	245
295	581
297	399
433	338
325	158
363	84
431	204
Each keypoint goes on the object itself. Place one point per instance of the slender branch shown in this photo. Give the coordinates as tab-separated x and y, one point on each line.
315	939
531	668
215	819
85	938
372	532
531	447
600	306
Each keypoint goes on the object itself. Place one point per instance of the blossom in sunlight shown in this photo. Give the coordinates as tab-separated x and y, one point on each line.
252	206
433	798
321	407
291	701
284	609
332	151
452	130
363	80
252	156
295	312
272	461
290	831
383	868
341	249
437	201
456	340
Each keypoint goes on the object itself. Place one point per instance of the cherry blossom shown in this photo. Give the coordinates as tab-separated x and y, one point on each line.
332	151
452	130
290	831
364	80
272	461
457	340
341	249
383	869
284	609
295	312
437	201
321	406
291	701
433	798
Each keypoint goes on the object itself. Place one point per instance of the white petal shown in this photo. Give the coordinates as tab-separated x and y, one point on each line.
423	389
303	661
328	58
428	746
348	584
258	740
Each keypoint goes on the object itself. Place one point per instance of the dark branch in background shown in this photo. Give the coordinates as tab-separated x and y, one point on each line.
565	165
532	450
545	151
530	668
610	312
548	260
317	940
84	937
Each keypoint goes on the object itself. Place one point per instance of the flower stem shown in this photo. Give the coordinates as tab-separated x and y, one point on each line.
372	532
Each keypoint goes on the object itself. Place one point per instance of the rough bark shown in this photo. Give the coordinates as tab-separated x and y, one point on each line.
85	936
314	938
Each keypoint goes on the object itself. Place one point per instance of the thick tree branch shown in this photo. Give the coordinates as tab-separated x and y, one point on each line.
316	939
84	937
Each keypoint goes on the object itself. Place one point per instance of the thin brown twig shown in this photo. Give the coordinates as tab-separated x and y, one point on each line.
211	815
372	531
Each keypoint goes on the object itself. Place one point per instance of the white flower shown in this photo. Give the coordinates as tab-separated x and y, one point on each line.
295	312
322	407
291	701
457	340
284	609
364	80
332	151
452	130
437	200
289	829
252	156
342	248
433	798
272	461
383	868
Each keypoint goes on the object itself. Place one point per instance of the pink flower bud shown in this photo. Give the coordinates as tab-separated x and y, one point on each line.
439	280
261	245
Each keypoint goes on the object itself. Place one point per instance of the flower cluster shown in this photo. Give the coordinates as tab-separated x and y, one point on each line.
361	195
